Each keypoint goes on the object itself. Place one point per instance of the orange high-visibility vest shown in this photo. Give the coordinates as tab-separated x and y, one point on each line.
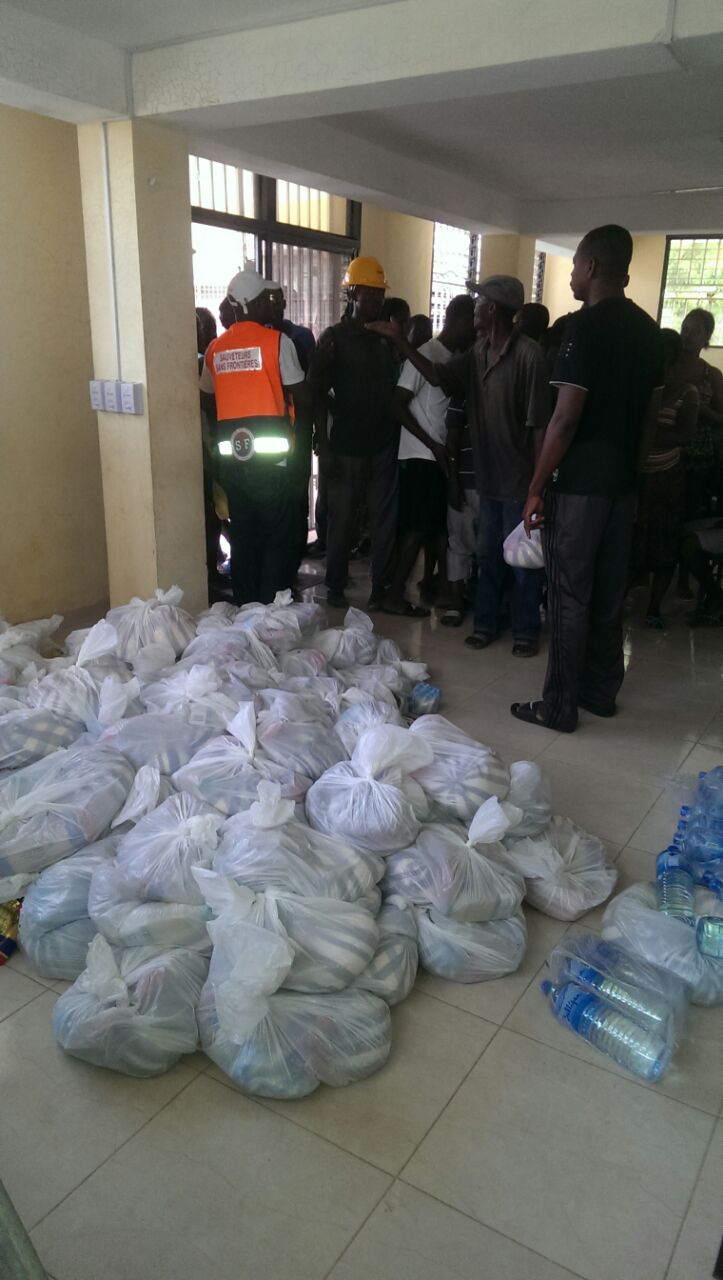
244	364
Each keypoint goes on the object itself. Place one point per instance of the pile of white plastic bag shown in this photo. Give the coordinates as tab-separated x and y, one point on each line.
227	835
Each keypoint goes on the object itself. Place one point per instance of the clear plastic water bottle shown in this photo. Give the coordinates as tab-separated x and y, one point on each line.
676	897
646	1007
642	1052
424	699
671	858
709	936
709	794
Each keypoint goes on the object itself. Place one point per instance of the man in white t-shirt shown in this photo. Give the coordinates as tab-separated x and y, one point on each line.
421	409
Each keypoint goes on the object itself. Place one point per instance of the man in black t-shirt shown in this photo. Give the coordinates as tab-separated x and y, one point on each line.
354	371
608	368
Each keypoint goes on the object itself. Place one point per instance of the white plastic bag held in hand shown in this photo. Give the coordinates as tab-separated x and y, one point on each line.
522	552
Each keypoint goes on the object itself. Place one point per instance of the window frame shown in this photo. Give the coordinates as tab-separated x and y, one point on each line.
268	230
714	346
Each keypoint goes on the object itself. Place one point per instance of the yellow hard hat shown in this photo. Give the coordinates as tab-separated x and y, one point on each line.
366	271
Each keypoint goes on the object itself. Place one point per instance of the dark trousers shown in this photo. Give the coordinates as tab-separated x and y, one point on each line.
264	523
300	475
374	478
587	543
496	520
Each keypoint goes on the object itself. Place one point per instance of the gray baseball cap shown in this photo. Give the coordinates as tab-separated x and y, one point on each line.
507	290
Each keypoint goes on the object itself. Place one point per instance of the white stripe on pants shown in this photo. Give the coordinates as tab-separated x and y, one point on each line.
462	534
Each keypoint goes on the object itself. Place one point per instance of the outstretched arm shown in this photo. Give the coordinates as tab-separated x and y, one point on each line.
388	329
559	436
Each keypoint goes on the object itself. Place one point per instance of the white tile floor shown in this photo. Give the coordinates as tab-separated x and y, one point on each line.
494	1145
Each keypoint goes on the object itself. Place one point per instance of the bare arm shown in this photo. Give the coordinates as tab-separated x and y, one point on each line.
557	439
400	404
428	369
650	426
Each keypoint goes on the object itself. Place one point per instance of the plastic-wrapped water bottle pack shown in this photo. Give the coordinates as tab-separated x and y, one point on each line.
229	834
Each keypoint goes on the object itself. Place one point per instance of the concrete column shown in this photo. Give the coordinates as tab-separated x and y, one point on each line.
137	219
509	255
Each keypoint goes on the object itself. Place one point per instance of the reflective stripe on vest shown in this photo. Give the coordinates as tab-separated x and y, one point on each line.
244	363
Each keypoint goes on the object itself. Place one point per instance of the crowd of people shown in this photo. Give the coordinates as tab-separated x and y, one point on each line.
602	431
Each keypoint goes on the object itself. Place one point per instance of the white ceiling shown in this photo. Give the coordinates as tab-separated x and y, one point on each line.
627	137
139	24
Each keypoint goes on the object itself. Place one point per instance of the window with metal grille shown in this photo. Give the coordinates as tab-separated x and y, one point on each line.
455	255
222	187
538	276
307	207
693	277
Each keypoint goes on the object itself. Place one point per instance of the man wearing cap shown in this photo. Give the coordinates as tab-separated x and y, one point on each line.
503	379
254	372
354	371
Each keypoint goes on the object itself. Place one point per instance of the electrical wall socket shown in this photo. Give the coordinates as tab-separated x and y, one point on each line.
111	396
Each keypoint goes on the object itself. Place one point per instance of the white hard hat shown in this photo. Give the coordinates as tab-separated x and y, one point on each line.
247	285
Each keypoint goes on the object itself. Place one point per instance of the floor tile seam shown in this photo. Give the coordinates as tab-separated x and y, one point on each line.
265	1104
646	815
600	1066
449	1101
481	1017
43	991
688	1206
359	1229
41	982
478	1222
110	1156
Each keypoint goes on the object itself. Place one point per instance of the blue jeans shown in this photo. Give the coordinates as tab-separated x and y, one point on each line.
496	520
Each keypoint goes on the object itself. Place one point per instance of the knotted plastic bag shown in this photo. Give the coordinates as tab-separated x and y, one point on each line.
463	773
470	952
132	1011
564	869
143	622
363	800
453	875
268	849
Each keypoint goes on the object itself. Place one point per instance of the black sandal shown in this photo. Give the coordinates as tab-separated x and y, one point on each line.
479	640
407	611
530	712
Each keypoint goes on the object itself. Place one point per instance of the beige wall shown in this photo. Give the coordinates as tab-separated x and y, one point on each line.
403	245
556	286
151	462
646	272
51	506
508	255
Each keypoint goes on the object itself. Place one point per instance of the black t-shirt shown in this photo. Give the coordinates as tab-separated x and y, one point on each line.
363	376
614	351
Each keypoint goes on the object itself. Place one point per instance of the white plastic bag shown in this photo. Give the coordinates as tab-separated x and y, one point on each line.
530	792
362	712
199	696
463	773
289	737
132	1011
363	801
227	646
521	551
126	920
470	952
158	855
225	774
150	788
564	869
55	807
55	928
633	921
332	941
444	871
302	1041
392	972
164	741
221	615
269	850
28	735
143	622
351	645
